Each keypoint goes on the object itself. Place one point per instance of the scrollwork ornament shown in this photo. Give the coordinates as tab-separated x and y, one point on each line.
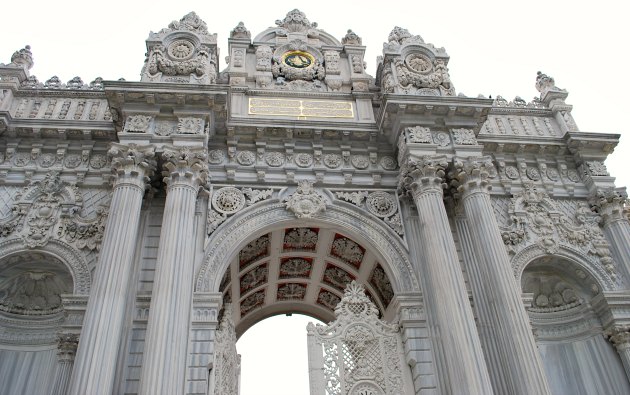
305	202
137	124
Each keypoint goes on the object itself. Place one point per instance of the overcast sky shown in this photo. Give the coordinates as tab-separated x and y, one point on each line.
496	47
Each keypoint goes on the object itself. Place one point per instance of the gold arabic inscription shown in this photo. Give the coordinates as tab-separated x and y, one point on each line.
301	108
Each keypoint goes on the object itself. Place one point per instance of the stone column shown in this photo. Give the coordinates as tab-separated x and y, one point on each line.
517	369
449	314
103	324
166	345
620	337
66	349
610	206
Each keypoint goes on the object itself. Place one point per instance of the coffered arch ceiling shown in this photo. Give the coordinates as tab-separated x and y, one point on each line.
300	270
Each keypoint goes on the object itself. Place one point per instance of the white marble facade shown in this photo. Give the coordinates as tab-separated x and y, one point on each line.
456	245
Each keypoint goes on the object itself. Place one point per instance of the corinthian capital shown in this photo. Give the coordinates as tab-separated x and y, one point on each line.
67	344
185	166
470	175
423	176
619	336
610	204
132	163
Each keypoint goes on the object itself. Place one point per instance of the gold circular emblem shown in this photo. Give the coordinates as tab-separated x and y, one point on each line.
298	59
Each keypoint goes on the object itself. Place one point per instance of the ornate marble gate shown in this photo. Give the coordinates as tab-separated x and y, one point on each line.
274	183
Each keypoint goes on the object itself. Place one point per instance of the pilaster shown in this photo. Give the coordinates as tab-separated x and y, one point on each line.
164	369
461	367
132	166
515	364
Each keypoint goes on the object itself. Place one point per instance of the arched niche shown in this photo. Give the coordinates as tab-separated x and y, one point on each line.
32	285
577	358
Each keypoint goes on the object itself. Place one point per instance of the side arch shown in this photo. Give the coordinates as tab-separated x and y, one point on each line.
232	235
533	252
75	262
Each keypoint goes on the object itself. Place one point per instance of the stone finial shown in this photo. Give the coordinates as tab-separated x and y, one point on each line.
351	38
240	31
296	21
192	22
23	58
401	35
545	83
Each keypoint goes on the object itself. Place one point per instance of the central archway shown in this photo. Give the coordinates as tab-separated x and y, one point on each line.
266	226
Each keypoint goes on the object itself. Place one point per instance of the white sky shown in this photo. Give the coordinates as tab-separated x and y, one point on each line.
496	48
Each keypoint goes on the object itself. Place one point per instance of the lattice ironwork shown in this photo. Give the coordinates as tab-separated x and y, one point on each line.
358	354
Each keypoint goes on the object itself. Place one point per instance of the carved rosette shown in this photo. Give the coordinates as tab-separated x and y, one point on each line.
470	176
305	202
132	164
185	166
67	344
423	176
610	205
229	200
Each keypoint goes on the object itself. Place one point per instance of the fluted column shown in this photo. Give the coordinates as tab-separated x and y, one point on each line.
66	349
610	206
620	337
164	363
103	324
447	306
518	368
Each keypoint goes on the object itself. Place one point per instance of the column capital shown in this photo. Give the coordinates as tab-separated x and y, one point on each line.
470	175
67	344
619	336
185	166
132	164
610	205
424	175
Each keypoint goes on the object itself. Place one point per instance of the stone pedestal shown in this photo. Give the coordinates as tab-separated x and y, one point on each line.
166	345
103	325
66	349
461	366
514	362
610	205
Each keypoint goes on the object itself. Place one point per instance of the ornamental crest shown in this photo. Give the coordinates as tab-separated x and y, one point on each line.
305	202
